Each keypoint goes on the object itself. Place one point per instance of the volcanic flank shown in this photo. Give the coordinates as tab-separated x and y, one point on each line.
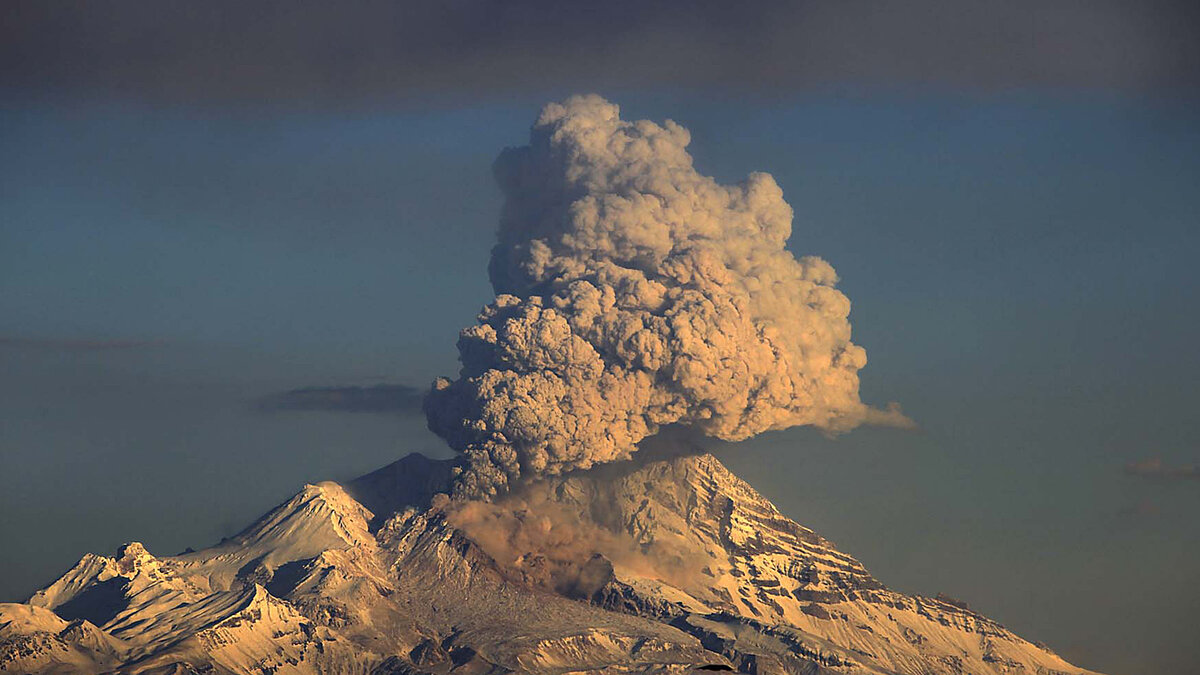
634	297
704	574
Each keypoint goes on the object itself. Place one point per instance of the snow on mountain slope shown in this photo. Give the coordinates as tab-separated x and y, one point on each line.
764	577
666	565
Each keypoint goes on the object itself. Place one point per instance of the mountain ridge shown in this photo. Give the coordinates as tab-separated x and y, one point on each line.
665	564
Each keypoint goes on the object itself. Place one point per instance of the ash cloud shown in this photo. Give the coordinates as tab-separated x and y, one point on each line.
382	398
542	542
634	293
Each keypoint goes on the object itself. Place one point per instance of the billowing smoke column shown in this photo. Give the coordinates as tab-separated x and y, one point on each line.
632	293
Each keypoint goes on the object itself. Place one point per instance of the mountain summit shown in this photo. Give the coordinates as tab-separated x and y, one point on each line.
660	565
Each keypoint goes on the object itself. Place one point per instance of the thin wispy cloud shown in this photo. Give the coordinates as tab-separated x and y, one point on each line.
1142	509
75	344
1155	468
381	398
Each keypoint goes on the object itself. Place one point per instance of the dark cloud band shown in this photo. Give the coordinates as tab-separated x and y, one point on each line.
358	53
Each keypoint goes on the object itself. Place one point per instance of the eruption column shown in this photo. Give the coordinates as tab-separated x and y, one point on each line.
632	293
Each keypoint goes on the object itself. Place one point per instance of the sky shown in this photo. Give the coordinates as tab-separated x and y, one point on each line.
236	244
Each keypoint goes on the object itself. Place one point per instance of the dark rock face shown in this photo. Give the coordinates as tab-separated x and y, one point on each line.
813	609
410	482
953	602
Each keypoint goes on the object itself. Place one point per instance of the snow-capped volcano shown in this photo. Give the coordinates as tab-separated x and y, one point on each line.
660	565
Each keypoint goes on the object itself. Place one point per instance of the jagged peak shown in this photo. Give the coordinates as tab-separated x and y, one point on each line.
257	596
334	496
91	569
322	515
132	549
133	559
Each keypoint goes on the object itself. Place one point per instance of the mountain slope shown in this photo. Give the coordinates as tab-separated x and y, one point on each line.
664	565
771	586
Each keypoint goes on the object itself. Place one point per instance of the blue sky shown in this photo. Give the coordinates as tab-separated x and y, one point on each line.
1021	266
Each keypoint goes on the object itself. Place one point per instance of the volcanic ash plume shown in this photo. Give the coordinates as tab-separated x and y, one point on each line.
632	293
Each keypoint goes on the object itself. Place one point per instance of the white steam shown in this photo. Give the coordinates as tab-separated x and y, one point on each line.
633	293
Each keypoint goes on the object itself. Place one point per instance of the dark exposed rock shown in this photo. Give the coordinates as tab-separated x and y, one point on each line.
813	609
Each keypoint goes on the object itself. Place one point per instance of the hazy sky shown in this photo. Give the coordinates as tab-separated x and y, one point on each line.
201	214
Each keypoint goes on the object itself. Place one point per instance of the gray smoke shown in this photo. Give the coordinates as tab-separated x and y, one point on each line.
633	293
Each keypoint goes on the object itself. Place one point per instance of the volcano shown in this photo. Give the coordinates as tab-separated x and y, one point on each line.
666	564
